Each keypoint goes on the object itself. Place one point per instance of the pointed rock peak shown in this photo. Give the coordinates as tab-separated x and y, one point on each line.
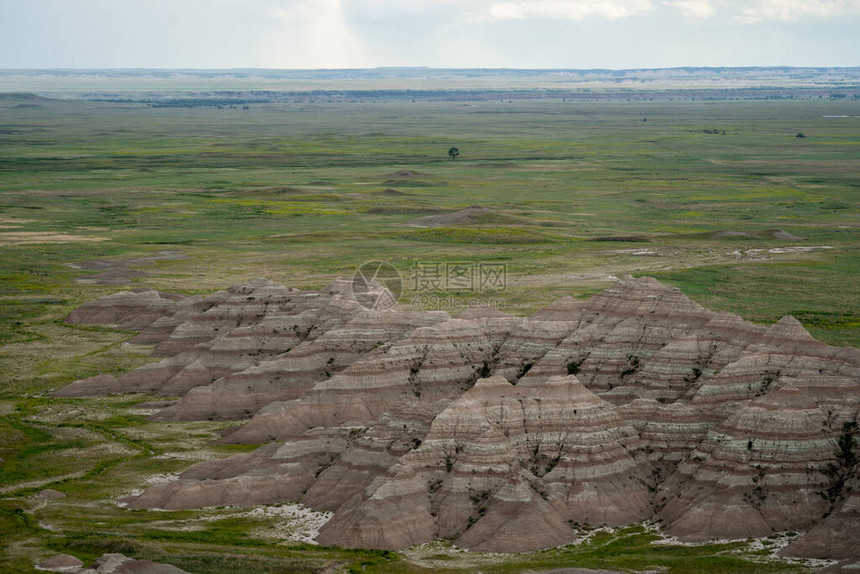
641	404
370	293
496	382
784	235
260	283
562	387
554	381
788	321
644	296
264	282
790	328
172	296
339	286
786	396
255	286
135	294
565	309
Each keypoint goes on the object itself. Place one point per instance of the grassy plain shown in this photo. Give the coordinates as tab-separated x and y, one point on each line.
579	192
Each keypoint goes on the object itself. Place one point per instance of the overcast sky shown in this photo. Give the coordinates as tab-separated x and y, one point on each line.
438	33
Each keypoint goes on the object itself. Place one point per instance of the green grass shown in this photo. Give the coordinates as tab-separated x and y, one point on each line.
633	548
764	293
301	193
480	235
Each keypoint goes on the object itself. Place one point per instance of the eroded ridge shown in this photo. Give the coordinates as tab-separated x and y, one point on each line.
504	433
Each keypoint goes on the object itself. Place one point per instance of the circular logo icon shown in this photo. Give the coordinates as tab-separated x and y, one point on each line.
377	285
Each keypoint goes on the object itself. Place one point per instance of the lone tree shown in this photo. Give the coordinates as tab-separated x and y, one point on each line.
453	152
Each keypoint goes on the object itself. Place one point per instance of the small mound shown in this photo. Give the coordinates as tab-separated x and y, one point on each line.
784	235
624	238
392	191
468	215
732	234
404	174
401	210
410	178
478	234
120	564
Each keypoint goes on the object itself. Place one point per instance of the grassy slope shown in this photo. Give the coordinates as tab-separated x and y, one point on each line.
295	192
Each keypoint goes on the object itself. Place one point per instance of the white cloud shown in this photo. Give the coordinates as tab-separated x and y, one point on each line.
568	9
312	34
694	8
797	9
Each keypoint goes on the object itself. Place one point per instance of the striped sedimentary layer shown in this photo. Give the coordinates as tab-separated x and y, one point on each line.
498	432
505	468
755	473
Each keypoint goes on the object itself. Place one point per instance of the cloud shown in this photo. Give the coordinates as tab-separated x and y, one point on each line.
694	8
797	9
568	9
312	34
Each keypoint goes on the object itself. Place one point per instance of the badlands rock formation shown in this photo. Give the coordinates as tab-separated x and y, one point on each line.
106	564
504	433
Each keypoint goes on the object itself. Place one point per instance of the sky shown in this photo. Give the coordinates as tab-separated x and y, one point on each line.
310	34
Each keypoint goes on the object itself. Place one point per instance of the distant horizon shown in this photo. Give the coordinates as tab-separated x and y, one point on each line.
439	68
428	83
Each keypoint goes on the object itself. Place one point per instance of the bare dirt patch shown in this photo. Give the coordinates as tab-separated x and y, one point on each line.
40	237
294	522
121	271
784	235
597	279
763	254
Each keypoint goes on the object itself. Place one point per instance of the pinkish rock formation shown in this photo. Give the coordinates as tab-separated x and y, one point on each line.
127	310
755	473
106	564
505	433
504	468
119	564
